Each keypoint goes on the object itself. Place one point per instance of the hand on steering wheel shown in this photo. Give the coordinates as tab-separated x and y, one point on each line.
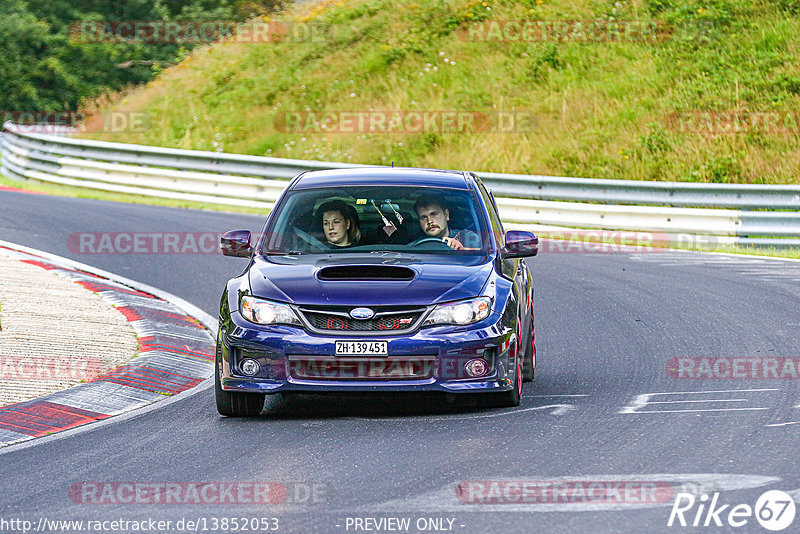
439	240
453	243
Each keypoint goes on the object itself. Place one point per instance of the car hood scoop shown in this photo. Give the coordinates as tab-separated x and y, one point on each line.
362	282
365	272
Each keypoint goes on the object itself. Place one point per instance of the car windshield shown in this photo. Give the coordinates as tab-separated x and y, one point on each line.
426	220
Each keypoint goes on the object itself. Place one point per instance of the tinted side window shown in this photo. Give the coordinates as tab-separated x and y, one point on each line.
508	266
497	226
496	212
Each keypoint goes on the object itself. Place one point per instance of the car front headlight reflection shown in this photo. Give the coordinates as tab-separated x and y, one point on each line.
461	313
267	312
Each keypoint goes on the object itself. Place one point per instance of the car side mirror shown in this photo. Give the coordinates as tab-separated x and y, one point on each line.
520	244
236	243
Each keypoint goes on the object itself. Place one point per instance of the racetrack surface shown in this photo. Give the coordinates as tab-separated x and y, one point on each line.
607	325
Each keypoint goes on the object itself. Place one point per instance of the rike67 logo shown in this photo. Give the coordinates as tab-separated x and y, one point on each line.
774	510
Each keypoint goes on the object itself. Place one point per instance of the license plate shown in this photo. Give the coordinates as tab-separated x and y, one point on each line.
356	348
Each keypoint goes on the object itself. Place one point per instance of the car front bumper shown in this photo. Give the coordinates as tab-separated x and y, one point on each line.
431	359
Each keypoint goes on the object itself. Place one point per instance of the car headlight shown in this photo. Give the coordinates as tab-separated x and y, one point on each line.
461	313
266	312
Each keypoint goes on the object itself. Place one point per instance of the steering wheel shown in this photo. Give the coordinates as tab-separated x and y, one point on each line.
419	242
308	238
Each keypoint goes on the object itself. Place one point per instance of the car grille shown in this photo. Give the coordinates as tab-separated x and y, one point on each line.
361	368
397	321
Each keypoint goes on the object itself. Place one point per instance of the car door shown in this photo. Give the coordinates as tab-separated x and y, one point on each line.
513	268
526	282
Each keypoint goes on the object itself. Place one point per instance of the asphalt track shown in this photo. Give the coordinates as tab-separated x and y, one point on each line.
607	325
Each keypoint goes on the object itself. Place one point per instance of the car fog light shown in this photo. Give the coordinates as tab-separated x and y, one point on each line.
250	367
477	367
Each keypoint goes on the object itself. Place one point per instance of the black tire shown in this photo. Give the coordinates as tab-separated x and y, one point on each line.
234	404
528	369
507	399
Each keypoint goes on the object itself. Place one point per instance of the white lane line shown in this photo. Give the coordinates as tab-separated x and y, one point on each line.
785	424
711	391
703	410
697	400
646	399
546	396
722	257
558	409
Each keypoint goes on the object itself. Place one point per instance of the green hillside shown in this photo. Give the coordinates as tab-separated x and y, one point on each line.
650	105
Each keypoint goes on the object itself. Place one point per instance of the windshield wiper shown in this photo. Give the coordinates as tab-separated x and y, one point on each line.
396	252
285	253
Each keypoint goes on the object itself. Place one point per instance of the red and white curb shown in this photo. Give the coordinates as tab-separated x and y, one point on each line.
18	190
176	352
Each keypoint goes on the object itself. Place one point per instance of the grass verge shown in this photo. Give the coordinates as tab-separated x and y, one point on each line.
78	192
601	108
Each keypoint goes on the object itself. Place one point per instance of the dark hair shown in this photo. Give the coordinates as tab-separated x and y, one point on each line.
426	201
348	212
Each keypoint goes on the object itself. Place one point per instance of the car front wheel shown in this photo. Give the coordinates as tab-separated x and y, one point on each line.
529	357
232	403
511	398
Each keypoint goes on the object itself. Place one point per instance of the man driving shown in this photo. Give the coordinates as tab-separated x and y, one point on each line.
434	220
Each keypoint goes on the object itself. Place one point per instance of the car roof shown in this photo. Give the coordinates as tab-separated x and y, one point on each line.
401	176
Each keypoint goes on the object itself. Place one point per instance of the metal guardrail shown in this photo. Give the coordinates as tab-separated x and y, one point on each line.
686	194
253	181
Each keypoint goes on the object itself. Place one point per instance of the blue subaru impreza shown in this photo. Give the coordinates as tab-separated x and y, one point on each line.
377	280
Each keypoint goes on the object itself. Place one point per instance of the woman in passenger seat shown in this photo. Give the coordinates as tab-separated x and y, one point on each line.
340	224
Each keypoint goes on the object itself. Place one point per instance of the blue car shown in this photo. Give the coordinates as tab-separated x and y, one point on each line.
378	280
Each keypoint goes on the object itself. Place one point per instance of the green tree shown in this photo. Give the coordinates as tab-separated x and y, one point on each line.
44	67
